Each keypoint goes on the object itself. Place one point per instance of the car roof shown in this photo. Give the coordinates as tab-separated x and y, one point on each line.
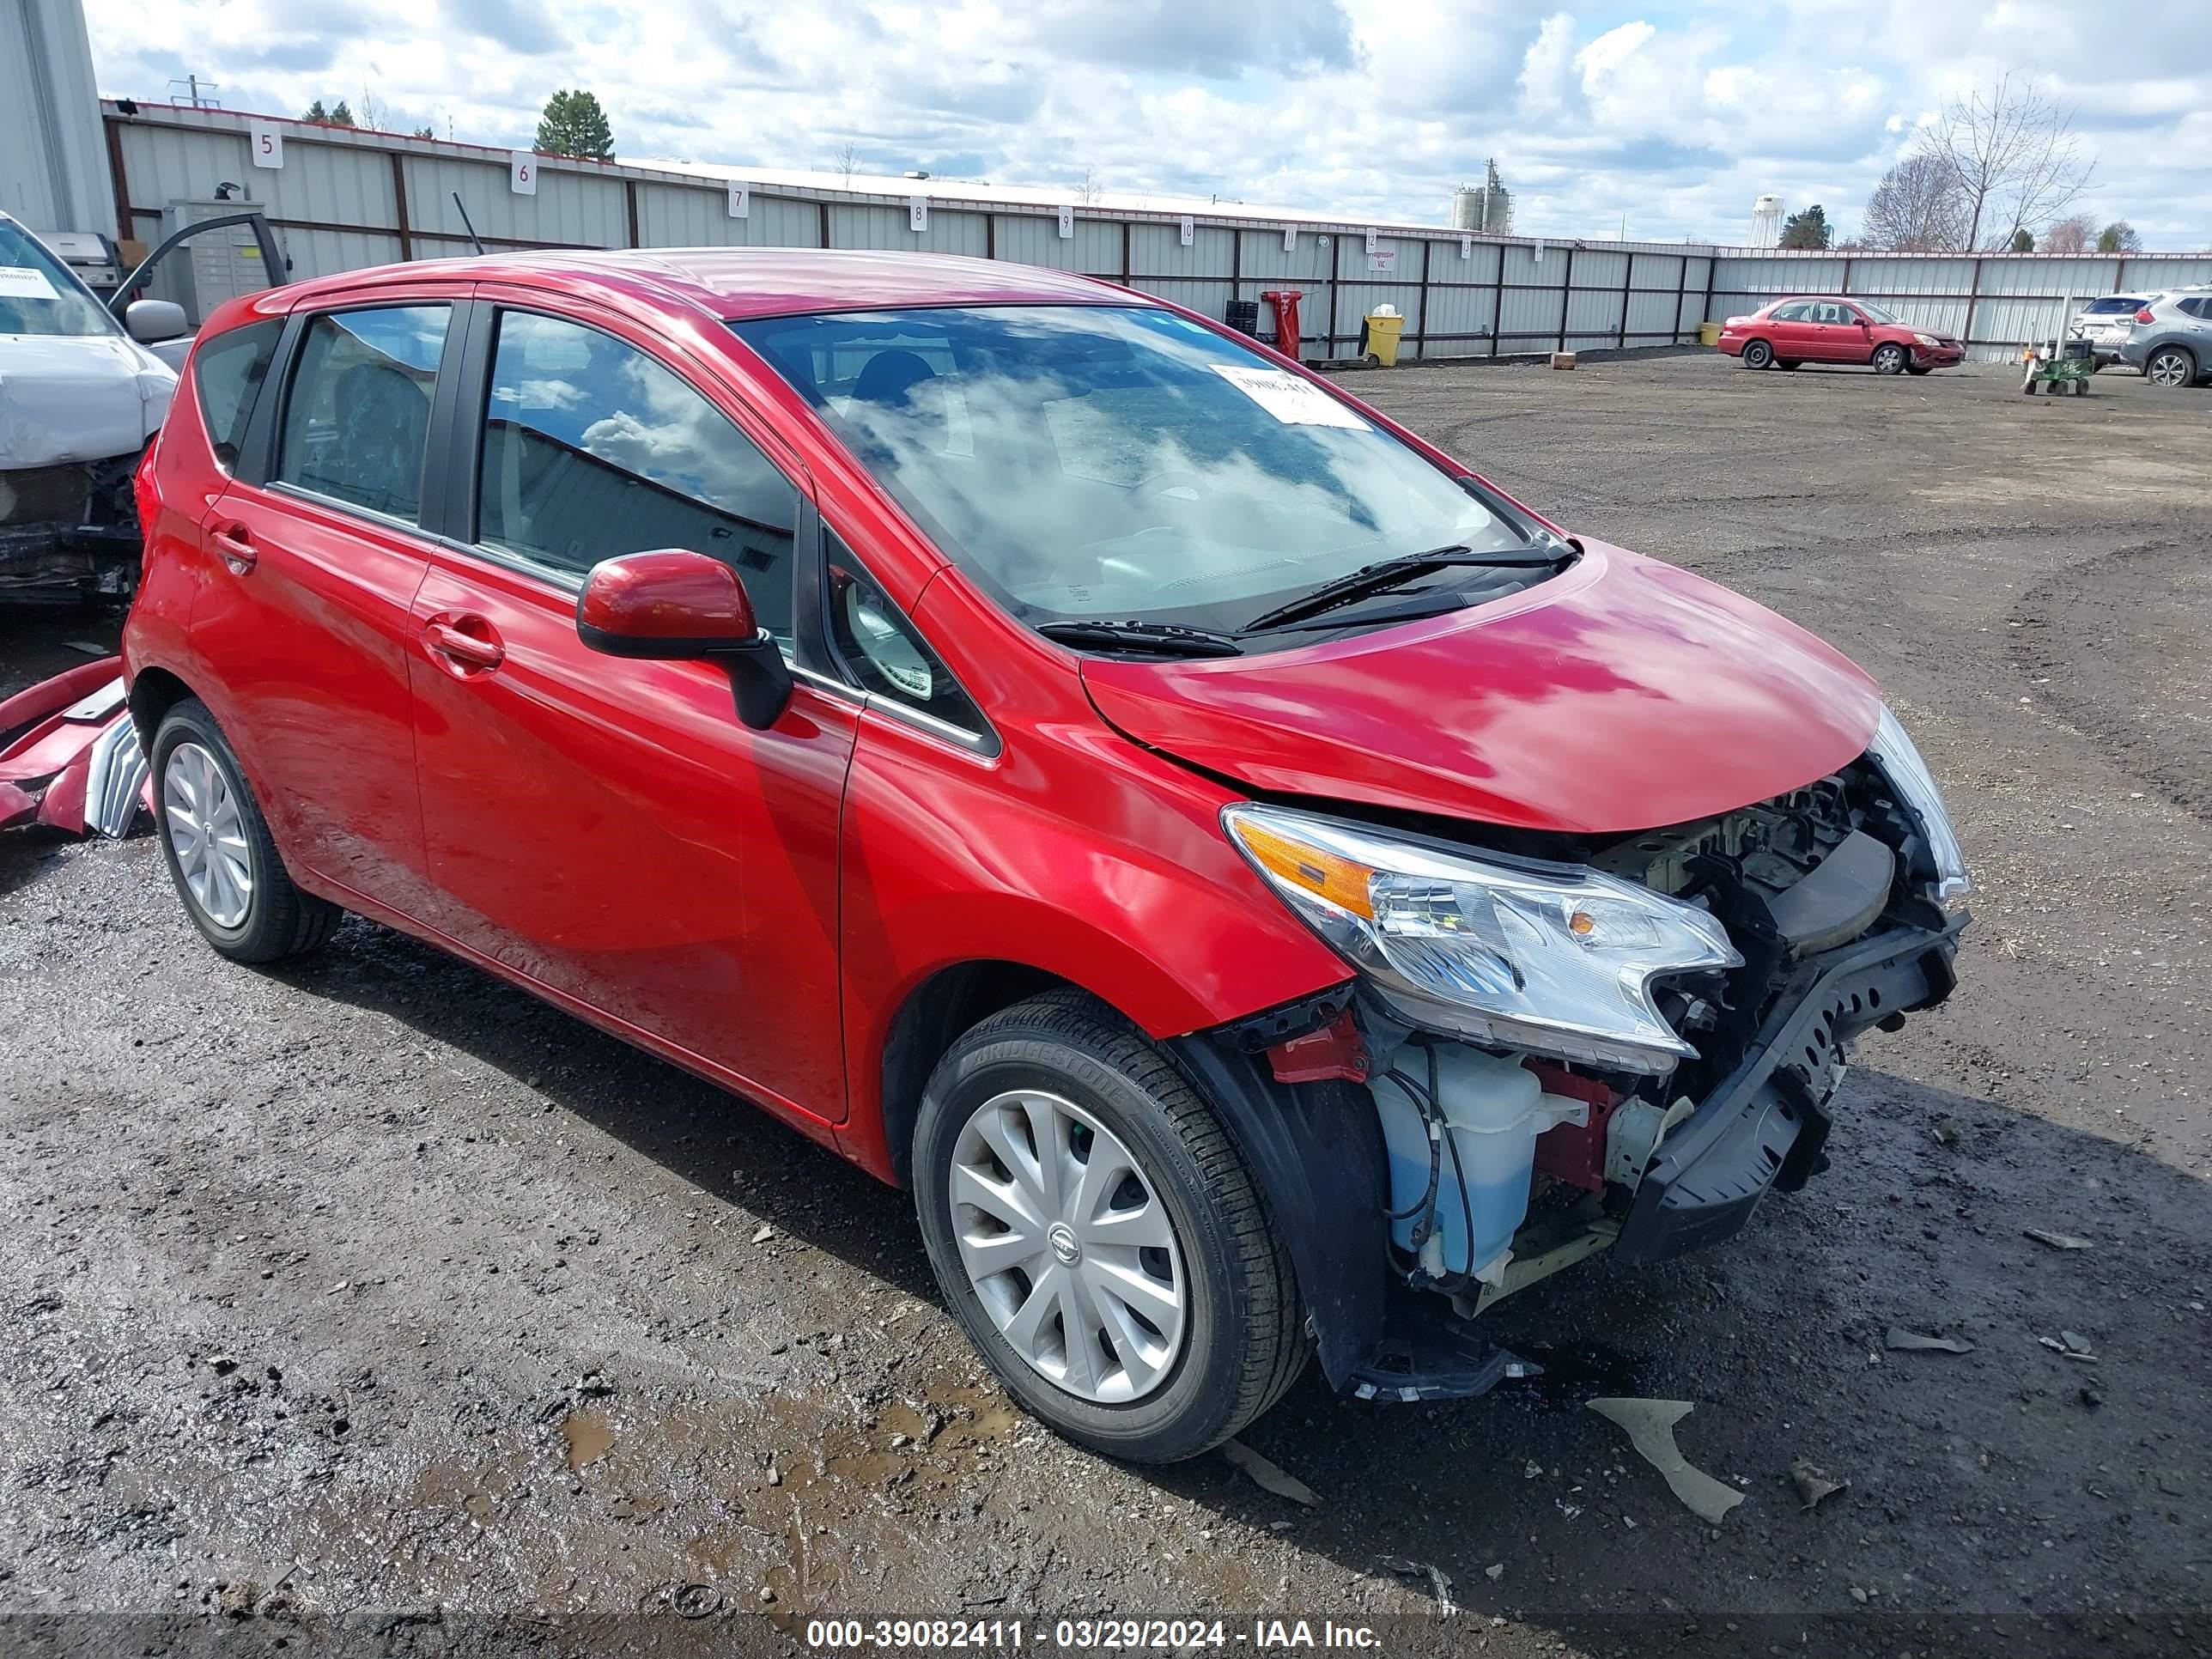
764	281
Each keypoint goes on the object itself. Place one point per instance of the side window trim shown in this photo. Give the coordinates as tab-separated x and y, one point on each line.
271	412
985	743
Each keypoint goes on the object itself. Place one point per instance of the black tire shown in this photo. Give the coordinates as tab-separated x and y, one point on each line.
2170	367
1244	1342
1890	358
1757	353
279	920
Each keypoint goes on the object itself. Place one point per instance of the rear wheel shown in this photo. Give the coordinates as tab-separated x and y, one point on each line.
2171	366
1757	353
1095	1230
218	849
1892	358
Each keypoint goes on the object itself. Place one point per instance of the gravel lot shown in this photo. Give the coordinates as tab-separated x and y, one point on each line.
370	1300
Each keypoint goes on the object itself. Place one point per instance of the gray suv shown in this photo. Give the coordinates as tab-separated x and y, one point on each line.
2171	339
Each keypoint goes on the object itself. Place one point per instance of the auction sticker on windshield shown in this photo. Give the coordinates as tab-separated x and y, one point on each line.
25	282
1290	400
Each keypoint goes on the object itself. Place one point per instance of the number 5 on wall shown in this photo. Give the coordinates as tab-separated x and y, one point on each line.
266	140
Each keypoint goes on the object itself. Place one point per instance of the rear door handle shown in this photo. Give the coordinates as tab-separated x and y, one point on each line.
470	653
235	543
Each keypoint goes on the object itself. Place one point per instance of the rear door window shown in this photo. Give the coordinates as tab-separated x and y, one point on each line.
228	371
357	421
593	449
1797	312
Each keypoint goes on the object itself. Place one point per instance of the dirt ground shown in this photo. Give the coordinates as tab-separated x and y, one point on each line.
370	1302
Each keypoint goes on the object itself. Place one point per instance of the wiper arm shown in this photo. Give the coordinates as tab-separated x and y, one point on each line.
1389	573
1167	639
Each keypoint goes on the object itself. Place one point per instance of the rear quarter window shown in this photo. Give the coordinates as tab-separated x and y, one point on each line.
228	372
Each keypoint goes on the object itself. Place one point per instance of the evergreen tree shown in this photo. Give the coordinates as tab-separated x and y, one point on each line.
574	124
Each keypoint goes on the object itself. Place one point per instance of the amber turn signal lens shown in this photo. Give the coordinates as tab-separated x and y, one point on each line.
1339	880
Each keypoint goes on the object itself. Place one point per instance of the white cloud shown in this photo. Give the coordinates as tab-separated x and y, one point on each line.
1678	117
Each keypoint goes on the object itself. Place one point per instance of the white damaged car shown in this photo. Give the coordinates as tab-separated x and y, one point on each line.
80	396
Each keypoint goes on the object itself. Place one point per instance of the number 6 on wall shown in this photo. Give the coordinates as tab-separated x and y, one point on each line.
522	173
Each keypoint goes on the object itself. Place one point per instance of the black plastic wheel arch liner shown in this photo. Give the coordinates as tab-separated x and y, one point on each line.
1317	1151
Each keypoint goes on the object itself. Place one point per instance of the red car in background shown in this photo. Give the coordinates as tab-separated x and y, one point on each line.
1827	328
1216	850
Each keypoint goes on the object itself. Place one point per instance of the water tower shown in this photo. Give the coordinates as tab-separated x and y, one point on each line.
1766	221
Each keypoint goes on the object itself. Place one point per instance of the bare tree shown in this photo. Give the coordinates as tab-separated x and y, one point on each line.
848	159
2075	233
1087	191
1916	208
2015	156
2118	237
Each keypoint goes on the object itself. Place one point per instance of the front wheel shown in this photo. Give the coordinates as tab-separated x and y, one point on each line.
1757	353
1891	359
2171	366
1097	1233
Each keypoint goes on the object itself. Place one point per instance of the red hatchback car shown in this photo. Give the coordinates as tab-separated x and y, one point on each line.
1263	888
1827	328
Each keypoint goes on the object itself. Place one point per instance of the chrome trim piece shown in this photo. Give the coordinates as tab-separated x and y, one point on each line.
115	779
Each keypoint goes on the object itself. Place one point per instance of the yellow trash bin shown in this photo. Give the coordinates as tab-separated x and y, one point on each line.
1709	334
1382	331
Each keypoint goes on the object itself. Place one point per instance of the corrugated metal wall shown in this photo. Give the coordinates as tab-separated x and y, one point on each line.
344	199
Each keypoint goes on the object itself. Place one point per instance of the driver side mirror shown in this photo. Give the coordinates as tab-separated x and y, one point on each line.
152	321
678	605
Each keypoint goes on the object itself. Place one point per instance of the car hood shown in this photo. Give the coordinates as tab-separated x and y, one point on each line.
77	397
1622	694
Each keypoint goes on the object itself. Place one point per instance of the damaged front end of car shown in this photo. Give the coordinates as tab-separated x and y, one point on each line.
1569	1045
69	532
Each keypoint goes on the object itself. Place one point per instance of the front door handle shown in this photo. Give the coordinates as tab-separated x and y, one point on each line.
235	543
467	643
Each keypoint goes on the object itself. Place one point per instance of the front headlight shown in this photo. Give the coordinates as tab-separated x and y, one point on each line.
1928	339
1514	953
1908	775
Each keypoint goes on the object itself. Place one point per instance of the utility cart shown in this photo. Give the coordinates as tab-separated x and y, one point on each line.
2061	366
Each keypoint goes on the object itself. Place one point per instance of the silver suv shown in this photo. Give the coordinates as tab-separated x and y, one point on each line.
2171	340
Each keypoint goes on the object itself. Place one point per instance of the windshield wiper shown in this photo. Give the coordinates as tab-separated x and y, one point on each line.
1381	577
1167	639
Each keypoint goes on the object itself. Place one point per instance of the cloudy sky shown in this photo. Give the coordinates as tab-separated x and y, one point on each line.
1671	116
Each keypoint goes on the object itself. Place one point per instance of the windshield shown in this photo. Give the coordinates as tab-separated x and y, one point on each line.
1122	463
1875	311
37	295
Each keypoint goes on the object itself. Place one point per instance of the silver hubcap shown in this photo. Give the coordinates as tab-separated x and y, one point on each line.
200	815
2166	370
1068	1247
